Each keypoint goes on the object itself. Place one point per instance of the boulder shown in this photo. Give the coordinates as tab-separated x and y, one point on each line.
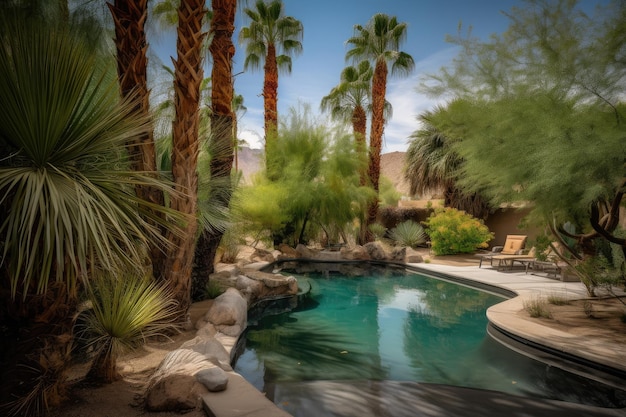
262	255
375	251
413	257
356	253
398	255
176	392
287	251
228	309
214	379
173	387
211	349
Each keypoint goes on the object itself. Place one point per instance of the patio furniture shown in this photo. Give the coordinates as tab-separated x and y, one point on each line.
513	245
508	261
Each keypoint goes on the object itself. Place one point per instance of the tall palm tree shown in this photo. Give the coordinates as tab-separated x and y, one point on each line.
350	100
129	18
222	123
188	74
271	38
68	204
379	42
432	164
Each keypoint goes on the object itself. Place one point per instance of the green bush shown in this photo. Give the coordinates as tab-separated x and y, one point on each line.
377	230
408	233
454	231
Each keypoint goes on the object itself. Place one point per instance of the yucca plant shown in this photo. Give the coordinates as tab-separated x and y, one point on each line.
377	229
124	312
408	233
67	198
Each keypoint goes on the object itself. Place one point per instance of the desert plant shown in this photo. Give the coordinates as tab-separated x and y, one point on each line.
558	300
454	231
388	194
213	290
230	244
124	312
377	230
408	233
537	307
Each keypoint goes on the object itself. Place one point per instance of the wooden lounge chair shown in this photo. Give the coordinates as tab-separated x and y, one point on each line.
513	245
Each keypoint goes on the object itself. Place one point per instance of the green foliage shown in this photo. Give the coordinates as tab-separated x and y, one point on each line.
269	26
377	230
387	193
453	231
408	233
597	271
541	243
68	193
534	103
230	245
124	312
213	290
314	183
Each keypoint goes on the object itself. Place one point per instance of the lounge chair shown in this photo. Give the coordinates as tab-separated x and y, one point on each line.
513	245
551	263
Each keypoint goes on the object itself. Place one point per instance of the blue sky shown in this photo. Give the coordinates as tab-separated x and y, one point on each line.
327	26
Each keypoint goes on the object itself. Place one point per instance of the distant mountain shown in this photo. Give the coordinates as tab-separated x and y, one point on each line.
391	166
250	162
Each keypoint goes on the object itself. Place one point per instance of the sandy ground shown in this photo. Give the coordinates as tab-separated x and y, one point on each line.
124	398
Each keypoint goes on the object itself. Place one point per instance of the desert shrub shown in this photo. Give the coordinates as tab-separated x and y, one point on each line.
454	231
124	312
558	300
388	194
537	307
378	230
230	244
213	290
408	233
390	217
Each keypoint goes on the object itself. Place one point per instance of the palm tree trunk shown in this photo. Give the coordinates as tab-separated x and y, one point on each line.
359	127
129	18
222	120
188	75
379	87
270	99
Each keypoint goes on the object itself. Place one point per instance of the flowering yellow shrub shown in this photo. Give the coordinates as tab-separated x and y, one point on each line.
454	231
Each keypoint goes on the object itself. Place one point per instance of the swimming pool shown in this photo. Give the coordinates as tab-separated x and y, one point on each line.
395	326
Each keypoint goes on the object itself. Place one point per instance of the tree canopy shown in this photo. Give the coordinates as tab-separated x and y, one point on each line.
538	112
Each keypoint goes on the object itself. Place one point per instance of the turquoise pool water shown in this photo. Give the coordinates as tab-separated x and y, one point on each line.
405	327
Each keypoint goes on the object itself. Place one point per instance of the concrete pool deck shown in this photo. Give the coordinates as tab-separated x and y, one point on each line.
392	398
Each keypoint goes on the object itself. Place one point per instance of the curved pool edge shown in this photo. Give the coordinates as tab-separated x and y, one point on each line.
595	359
243	399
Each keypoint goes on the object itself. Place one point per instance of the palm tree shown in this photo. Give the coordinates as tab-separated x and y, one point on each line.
129	18
350	100
68	203
432	164
188	73
379	42
222	133
271	38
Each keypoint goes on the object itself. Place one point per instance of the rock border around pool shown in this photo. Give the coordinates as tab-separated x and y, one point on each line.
200	370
